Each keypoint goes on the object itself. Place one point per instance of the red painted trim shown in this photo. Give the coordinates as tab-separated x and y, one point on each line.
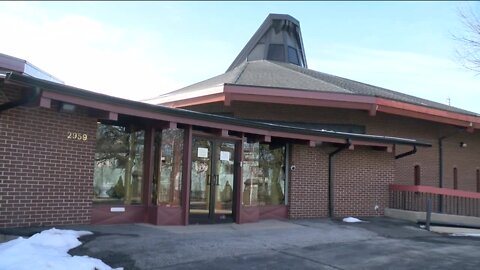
196	101
420	115
160	215
435	190
317	102
273	212
239	179
186	173
292	93
101	214
249	214
426	110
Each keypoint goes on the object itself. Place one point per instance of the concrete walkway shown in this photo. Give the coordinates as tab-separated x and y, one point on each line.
379	243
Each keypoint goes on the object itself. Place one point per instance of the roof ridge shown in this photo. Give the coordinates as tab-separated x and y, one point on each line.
241	72
306	75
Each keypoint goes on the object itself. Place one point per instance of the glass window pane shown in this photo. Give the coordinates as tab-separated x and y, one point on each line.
263	174
118	165
167	181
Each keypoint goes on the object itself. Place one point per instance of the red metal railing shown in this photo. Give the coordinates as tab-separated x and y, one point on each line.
444	200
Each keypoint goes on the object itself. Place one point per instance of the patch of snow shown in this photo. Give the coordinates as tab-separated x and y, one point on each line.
47	250
422	226
466	234
352	220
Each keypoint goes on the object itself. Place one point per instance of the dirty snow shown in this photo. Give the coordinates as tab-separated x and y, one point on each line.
466	234
351	220
47	250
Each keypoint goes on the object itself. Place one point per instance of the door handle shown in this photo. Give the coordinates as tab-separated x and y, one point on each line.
208	179
217	179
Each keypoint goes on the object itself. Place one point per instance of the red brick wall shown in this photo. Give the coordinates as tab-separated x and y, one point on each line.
361	181
45	179
362	177
308	183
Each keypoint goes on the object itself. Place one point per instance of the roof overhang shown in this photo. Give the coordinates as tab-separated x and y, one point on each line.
10	63
228	93
113	106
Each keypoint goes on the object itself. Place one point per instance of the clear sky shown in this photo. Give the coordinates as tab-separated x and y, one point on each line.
138	50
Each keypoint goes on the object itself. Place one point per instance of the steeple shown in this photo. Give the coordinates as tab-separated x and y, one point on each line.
278	39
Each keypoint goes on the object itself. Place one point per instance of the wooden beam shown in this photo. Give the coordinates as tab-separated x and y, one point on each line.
223	133
373	110
149	165
45	103
313	143
112	116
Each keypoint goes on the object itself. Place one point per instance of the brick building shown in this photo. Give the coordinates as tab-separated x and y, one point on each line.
270	138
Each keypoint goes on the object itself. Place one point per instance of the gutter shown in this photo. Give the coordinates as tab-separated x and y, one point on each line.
331	173
21	101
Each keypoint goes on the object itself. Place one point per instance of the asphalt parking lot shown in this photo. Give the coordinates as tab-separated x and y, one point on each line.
378	243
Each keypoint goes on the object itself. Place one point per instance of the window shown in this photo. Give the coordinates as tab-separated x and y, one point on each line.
416	172
478	180
167	176
293	56
264	174
118	175
276	52
455	178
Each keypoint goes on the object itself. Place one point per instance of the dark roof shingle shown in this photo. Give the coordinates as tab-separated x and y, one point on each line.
264	73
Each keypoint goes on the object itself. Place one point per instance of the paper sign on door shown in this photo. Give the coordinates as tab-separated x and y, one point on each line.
224	155
202	152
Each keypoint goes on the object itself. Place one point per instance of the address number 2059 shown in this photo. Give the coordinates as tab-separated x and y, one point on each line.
77	136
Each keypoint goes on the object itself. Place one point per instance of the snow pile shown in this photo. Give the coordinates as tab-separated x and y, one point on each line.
352	220
466	234
47	250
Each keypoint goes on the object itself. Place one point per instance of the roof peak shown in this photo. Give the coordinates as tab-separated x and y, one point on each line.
278	38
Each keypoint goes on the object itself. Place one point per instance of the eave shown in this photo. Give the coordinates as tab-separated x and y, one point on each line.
229	93
111	107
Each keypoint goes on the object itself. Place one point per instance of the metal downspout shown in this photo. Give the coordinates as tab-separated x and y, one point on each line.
440	166
21	101
331	206
413	151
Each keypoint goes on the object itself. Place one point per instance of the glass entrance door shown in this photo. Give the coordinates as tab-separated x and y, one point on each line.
212	181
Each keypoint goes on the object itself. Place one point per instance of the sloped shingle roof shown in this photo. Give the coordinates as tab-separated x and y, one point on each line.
265	73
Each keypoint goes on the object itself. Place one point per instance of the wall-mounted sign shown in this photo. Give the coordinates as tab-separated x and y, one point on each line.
202	152
224	155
